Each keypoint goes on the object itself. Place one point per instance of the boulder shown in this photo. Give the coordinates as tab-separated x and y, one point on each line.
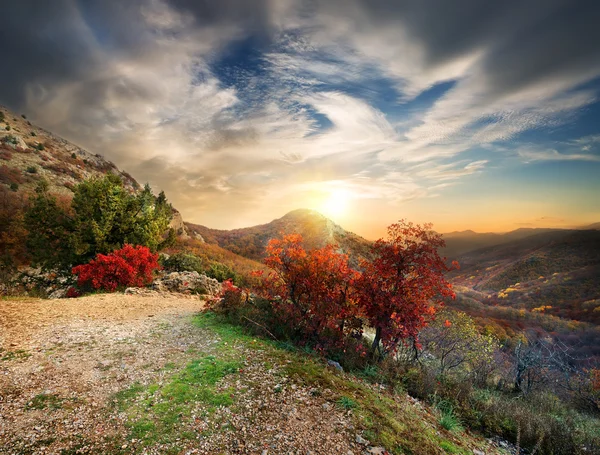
187	283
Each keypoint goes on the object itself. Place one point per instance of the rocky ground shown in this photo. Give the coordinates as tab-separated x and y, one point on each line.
120	374
64	361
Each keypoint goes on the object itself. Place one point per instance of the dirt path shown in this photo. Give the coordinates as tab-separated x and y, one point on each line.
129	374
62	361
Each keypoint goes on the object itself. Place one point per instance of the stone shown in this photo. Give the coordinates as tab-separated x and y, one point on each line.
58	294
334	364
478	452
360	440
376	451
187	282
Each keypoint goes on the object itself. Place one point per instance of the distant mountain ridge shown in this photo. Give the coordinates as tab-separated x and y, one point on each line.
462	242
316	230
559	269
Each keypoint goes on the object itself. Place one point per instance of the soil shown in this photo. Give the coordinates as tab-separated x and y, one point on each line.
62	362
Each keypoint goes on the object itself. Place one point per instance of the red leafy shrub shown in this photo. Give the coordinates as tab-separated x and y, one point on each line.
311	291
129	266
230	300
10	175
72	293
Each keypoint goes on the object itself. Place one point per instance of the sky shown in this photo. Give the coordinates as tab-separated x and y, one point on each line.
467	114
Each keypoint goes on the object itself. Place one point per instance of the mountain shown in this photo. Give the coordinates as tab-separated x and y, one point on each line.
316	230
29	154
461	242
558	270
594	226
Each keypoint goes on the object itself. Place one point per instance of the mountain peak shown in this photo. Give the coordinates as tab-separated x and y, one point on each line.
303	213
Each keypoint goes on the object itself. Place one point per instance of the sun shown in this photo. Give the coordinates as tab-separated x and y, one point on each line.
336	204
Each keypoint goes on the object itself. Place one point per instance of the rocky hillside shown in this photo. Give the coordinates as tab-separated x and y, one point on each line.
29	154
316	230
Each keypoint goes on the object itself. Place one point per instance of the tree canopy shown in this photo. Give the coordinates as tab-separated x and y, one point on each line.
102	217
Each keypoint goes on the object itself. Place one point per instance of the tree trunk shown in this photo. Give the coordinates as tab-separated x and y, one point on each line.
376	341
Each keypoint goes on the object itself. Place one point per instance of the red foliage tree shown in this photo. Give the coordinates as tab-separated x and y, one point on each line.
129	266
399	289
311	290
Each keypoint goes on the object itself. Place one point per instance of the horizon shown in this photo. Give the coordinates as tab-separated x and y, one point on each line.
574	227
470	118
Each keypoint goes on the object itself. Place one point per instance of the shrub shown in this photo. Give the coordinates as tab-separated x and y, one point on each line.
9	139
10	175
129	266
230	301
101	218
222	272
72	293
182	262
74	155
24	116
2	118
32	169
33	134
14	186
40	147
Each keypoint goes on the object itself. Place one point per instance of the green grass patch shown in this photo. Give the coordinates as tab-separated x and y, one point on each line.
346	403
159	413
45	401
6	356
451	448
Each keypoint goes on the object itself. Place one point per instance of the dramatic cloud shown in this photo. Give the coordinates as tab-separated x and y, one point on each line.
243	109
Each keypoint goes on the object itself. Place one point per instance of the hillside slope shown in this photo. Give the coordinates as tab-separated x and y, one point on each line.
462	242
121	374
30	154
557	270
316	230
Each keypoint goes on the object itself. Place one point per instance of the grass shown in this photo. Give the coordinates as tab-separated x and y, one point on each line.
45	401
162	413
448	419
346	403
19	354
158	413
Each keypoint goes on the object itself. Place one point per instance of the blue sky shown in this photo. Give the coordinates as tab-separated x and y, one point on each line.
468	114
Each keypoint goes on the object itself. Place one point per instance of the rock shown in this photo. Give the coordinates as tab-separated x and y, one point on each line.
335	365
478	452
376	451
58	294
360	440
14	140
187	282
179	226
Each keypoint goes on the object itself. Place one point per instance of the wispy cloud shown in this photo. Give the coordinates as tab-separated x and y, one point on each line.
243	103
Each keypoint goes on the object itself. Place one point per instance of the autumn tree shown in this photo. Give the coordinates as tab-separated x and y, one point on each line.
456	343
312	289
102	217
399	289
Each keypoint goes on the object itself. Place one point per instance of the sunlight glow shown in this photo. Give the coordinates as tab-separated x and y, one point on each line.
336	204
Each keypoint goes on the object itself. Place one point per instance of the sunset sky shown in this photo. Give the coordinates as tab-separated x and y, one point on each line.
470	114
